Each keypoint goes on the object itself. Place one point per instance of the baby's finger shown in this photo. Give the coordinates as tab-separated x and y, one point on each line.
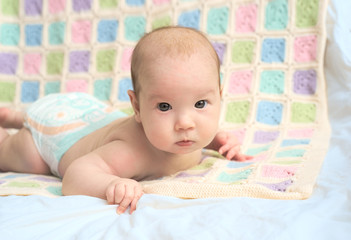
137	196
242	157
233	152
247	157
119	193
110	194
223	149
127	199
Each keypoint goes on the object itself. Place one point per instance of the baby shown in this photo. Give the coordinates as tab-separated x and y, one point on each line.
102	152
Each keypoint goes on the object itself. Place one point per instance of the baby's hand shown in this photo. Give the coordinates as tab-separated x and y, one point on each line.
125	192
229	147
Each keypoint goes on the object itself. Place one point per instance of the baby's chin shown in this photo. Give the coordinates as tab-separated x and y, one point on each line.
183	149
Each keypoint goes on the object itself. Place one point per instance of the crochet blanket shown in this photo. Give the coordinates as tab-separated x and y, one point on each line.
274	92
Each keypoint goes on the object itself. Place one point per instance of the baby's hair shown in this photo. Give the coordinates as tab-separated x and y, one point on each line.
174	41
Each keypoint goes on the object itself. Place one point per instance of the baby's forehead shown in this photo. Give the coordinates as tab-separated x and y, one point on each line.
172	42
175	42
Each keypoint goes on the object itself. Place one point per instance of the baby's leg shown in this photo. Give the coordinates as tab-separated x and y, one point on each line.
18	153
10	118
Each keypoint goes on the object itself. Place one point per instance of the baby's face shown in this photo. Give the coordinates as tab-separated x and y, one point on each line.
179	102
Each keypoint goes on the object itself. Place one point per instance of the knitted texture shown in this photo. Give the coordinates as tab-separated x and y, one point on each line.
271	53
29	184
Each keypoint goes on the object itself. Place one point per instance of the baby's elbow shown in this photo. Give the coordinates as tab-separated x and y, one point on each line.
67	188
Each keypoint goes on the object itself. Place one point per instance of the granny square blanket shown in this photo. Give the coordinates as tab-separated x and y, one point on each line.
274	92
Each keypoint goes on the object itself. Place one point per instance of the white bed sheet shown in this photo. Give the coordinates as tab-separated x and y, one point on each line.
325	215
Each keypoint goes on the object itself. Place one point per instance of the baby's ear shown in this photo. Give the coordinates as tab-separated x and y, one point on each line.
135	104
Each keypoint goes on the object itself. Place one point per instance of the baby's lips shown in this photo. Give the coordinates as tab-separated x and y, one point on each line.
185	143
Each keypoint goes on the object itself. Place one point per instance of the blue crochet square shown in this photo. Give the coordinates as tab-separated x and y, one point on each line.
190	19
29	91
34	34
107	31
273	50
269	113
124	85
136	3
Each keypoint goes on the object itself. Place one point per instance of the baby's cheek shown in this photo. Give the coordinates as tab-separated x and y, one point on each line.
156	136
210	131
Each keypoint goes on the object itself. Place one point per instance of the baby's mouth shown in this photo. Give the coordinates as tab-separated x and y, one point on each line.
185	143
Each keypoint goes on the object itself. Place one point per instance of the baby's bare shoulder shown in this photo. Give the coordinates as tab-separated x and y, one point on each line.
125	130
126	159
125	143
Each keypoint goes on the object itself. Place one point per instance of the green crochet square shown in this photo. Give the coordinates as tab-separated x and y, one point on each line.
243	52
54	63
10	7
303	112
237	112
108	3
7	91
307	13
161	22
105	60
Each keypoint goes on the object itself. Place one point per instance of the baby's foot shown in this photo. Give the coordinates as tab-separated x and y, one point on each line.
10	118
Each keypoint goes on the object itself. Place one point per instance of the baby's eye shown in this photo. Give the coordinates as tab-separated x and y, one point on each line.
201	104
164	106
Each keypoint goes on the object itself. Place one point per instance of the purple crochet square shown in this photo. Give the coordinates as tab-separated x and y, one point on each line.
220	49
79	61
280	186
8	63
81	5
305	82
33	7
262	137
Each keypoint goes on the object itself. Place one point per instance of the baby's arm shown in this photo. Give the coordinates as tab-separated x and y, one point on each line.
228	145
95	174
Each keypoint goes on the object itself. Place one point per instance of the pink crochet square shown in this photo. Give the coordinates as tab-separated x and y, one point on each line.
246	18
301	133
239	134
57	6
81	31
260	157
278	171
159	2
126	59
240	82
305	48
32	63
77	85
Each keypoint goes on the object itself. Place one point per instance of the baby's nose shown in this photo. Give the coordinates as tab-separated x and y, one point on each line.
184	122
